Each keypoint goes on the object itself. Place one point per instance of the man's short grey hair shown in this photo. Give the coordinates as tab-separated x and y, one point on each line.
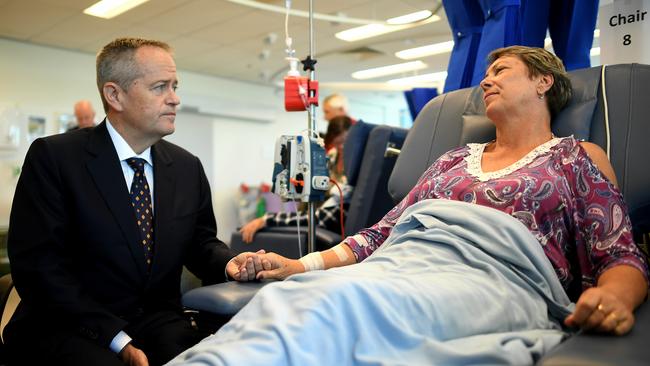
116	63
337	101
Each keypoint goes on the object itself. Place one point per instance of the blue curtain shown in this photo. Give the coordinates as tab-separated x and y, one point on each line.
480	26
466	21
417	98
573	32
502	28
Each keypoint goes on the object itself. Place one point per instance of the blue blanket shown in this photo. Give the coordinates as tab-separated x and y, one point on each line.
454	284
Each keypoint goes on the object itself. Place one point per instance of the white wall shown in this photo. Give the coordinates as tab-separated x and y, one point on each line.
230	125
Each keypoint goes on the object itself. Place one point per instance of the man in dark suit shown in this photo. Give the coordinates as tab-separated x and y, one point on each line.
102	222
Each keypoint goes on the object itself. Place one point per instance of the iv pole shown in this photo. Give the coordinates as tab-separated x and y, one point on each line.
301	93
311	234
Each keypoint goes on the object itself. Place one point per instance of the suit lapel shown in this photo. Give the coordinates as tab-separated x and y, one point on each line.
106	171
164	193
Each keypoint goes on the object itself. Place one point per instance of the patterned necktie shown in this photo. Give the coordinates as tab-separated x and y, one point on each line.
141	201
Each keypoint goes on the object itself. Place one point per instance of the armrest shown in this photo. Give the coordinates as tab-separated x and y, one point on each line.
598	349
223	298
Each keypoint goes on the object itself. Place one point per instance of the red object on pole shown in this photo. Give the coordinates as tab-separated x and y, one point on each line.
297	90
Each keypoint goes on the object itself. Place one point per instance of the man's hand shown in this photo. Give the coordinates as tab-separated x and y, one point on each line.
248	231
278	267
601	311
245	266
133	356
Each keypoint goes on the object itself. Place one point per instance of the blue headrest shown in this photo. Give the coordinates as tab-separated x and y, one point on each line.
354	146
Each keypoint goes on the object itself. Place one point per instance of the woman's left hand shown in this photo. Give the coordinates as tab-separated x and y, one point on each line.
601	311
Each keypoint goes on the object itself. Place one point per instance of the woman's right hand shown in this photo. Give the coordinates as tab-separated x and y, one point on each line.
248	231
280	267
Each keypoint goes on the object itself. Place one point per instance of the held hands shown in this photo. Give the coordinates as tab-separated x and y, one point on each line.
279	267
601	311
260	265
133	356
248	231
246	265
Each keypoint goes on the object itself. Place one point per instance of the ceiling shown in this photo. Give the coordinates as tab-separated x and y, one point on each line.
226	39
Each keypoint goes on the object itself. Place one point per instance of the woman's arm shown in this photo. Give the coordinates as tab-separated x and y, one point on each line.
609	307
607	234
248	231
278	267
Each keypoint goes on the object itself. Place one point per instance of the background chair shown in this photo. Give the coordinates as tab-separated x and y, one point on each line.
458	117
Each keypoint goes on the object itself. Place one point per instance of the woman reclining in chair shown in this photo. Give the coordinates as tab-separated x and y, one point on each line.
475	265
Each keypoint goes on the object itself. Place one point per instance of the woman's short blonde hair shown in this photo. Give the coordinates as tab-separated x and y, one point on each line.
541	62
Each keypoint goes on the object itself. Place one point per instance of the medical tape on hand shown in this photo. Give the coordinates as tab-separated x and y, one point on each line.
340	252
312	262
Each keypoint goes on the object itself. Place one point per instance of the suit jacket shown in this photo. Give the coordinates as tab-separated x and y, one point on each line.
74	246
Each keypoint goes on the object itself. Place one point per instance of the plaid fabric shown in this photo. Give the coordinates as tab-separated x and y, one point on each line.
327	215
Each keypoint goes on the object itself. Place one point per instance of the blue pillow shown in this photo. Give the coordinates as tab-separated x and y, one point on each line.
353	149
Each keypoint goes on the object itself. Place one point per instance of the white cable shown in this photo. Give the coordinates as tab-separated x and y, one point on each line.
287	40
311	132
604	92
298	225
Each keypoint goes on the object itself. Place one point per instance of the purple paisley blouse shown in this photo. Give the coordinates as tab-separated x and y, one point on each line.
556	191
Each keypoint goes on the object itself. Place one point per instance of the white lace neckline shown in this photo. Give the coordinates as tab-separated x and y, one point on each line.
475	156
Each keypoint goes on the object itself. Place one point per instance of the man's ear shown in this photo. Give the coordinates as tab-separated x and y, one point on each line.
113	95
545	83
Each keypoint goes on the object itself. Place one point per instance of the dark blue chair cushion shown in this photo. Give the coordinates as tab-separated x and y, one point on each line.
354	147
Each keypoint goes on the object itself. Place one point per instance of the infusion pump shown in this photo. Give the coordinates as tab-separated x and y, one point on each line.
300	168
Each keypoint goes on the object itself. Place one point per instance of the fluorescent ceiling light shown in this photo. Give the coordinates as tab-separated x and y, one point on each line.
428	50
419	79
410	18
377	29
388	70
108	9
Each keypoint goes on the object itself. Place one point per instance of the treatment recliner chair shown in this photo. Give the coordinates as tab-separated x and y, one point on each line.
456	118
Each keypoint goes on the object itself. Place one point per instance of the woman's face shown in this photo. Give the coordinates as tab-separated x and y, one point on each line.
508	87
